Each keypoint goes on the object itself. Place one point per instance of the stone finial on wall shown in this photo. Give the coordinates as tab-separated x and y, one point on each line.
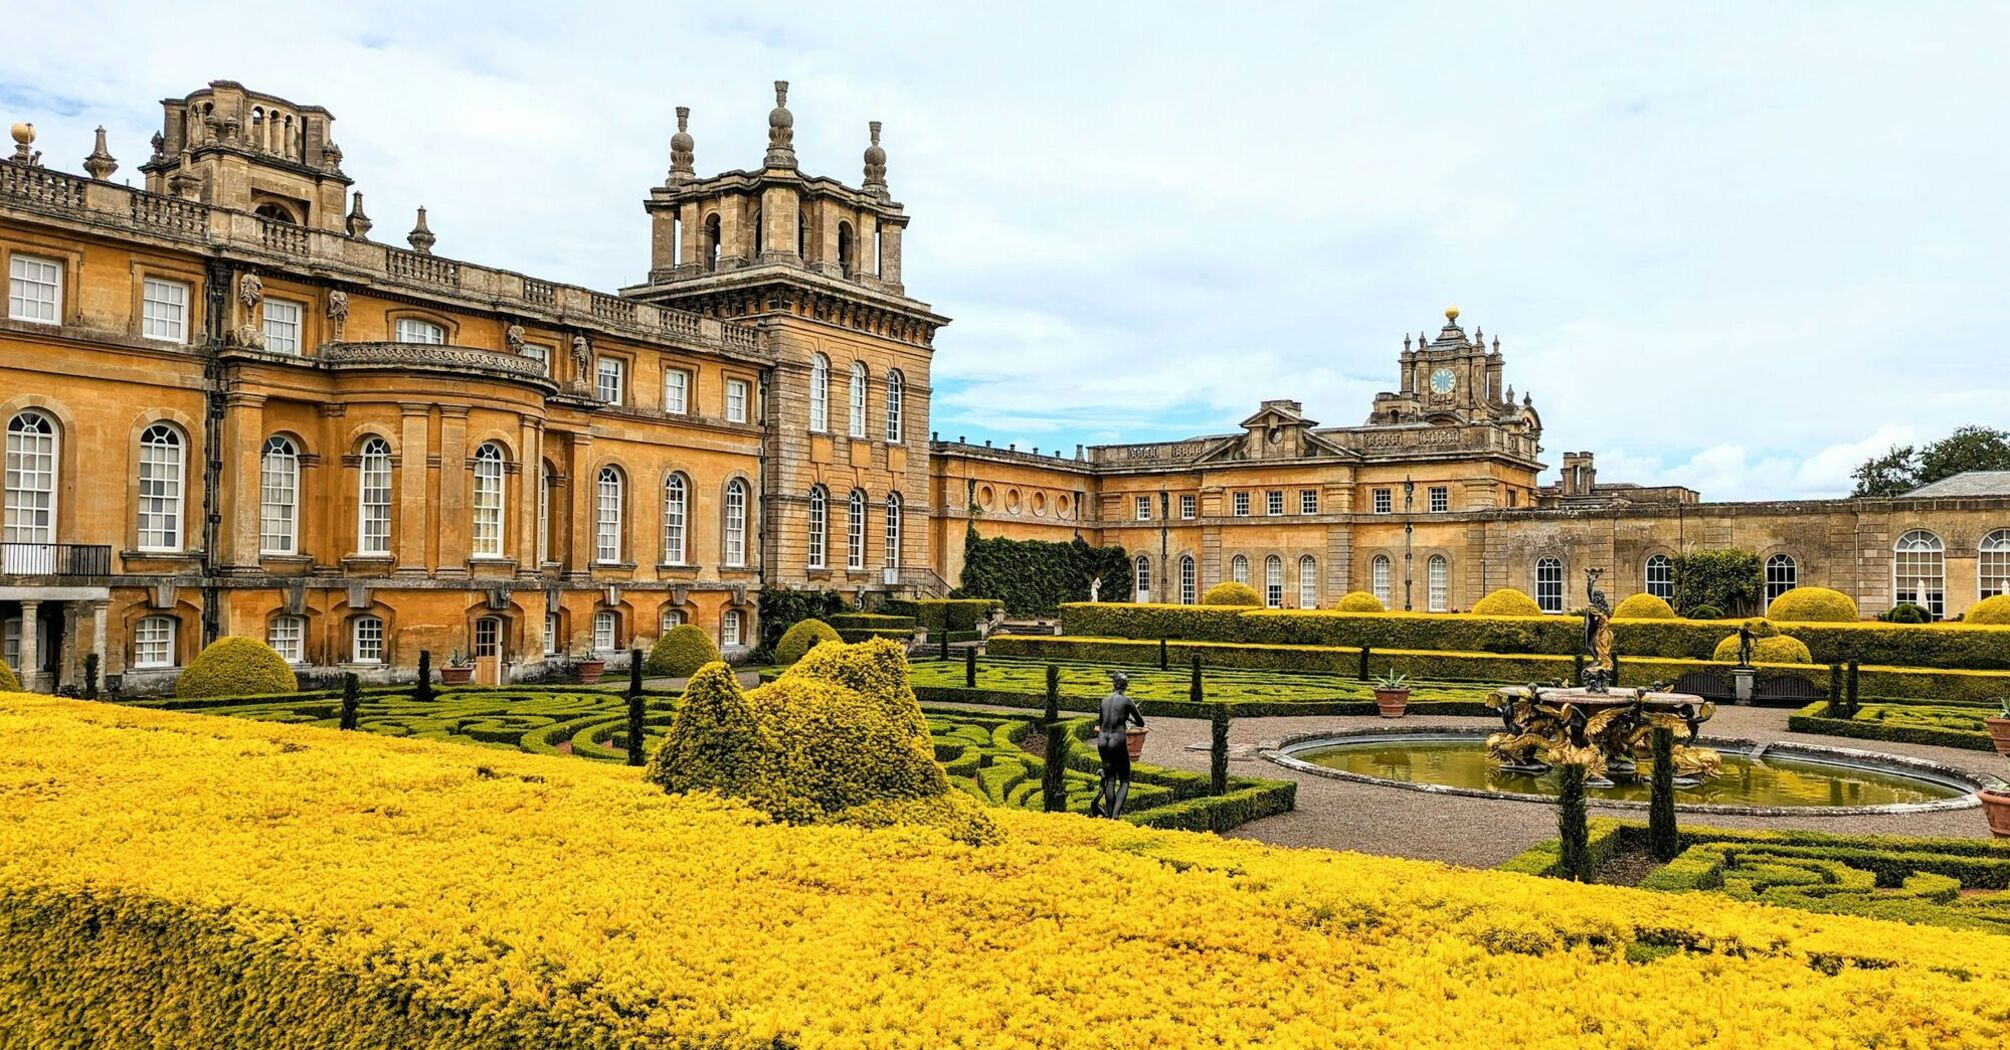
421	239
24	137
100	164
682	149
358	223
875	164
781	130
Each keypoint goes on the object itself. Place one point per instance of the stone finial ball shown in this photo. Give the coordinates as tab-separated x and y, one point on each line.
24	133
1451	313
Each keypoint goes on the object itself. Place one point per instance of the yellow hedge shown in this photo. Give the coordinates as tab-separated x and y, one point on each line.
1643	606
1812	605
221	882
801	637
1778	649
680	652
8	683
1993	611
1507	602
1229	592
234	666
1359	602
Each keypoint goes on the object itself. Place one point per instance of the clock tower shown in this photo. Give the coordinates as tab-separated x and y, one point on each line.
1448	380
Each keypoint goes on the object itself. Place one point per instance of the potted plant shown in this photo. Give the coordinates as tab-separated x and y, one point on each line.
1134	741
1999	728
589	665
460	670
1392	694
1996	807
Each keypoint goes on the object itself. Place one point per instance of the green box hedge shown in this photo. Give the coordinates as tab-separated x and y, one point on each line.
939	614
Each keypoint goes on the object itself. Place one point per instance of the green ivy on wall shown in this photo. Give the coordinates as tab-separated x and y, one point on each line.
1034	577
1728	579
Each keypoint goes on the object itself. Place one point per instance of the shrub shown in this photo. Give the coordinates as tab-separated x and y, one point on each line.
1359	602
1778	649
1229	592
1507	602
801	638
235	666
1906	612
681	651
1990	611
1034	577
1706	612
8	683
941	614
783	607
1643	606
1813	605
1727	578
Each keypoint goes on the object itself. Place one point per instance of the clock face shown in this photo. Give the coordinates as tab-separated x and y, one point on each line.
1442	381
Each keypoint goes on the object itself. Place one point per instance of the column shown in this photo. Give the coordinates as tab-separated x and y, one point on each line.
889	264
456	523
244	440
412	502
583	489
31	653
691	235
109	662
530	484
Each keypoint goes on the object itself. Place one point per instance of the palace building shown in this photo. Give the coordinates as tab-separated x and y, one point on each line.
230	410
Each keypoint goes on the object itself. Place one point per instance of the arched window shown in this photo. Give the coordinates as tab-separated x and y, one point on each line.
1381	578
373	498
1238	569
279	497
734	550
1919	572
1438	583
819	526
153	642
1782	575
893	530
858	399
1992	565
287	635
1188	582
820	393
1661	577
1308	582
709	247
607	518
1273	582
1549	585
854	531
366	640
847	249
730	627
671	619
1141	582
896	396
160	488
676	510
760	238
488	501
31	484
606	631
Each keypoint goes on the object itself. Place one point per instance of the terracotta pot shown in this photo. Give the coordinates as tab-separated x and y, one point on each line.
590	670
1996	806
1134	741
456	675
1999	733
1392	702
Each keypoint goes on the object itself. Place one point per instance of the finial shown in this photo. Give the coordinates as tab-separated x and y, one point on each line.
681	150
101	163
1406	342
358	223
24	136
421	239
1479	334
875	164
1497	344
1451	313
1527	399
781	130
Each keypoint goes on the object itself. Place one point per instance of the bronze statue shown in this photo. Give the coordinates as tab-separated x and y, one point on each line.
1113	743
1744	645
1599	670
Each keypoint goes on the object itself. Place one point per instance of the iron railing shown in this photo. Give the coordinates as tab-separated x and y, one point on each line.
55	559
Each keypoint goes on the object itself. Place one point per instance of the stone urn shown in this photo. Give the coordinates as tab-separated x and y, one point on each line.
451	675
1391	703
1134	741
1999	733
1996	806
590	670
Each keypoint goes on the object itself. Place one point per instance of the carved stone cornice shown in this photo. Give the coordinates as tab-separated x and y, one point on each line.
427	357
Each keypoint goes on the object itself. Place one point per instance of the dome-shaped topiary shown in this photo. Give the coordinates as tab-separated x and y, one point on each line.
1812	605
1992	610
1778	649
1906	612
234	666
1359	602
680	652
1706	612
801	637
1507	602
8	683
1229	592
1643	606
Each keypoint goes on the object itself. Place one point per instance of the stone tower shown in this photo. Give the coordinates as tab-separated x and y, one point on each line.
235	148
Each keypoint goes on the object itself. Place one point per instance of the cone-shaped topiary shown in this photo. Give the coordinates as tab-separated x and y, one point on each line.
801	637
681	651
716	744
1507	602
8	683
1360	602
234	666
1991	610
1778	649
1812	605
1229	592
1643	606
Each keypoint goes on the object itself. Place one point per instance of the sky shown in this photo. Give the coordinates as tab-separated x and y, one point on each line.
1740	247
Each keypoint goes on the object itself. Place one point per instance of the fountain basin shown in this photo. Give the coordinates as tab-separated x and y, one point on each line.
1776	779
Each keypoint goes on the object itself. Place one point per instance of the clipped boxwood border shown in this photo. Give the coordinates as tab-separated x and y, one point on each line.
1815	718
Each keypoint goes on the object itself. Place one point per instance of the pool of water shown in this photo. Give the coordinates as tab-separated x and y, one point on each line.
1769	780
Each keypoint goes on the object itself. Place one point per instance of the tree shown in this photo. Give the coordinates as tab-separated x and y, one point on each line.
1728	579
1894	472
1968	448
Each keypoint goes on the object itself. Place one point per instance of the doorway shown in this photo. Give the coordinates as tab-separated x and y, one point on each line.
488	650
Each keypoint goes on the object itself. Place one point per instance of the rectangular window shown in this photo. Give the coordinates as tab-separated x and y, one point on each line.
35	289
736	401
367	647
153	642
1242	504
1144	507
551	638
603	631
1385	501
729	628
287	636
1441	499
282	326
540	354
1308	501
1189	506
676	391
164	310
1273	502
415	330
610	378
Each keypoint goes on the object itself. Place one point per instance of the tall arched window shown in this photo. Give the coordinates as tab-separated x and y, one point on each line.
1549	584
607	518
820	393
847	249
893	530
1189	583
1919	572
1381	578
896	397
279	497
160	488
676	511
1308	582
1661	576
488	501
858	399
1782	575
1992	565
31	483
709	248
1238	569
1141	583
1438	583
819	538
854	531
734	550
373	498
1273	582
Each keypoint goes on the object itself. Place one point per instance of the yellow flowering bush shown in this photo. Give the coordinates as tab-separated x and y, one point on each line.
182	880
1359	602
1229	592
1506	602
236	666
1643	606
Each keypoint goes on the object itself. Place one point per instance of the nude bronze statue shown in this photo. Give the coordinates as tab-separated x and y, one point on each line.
1117	713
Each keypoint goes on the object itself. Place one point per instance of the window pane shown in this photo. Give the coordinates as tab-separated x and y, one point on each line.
287	637
282	327
675	498
373	532
1273	578
855	531
896	397
820	392
676	391
607	518
153	642
858	399
34	289
1380	573
736	401
31	479
414	330
1188	584
1439	578
160	488
609	375
1308	582
735	553
1549	585
279	480
367	646
164	310
1238	569
488	502
819	526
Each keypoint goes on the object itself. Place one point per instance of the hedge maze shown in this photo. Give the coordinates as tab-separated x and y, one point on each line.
1023	683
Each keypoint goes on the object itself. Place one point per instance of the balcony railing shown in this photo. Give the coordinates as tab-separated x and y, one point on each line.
55	559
